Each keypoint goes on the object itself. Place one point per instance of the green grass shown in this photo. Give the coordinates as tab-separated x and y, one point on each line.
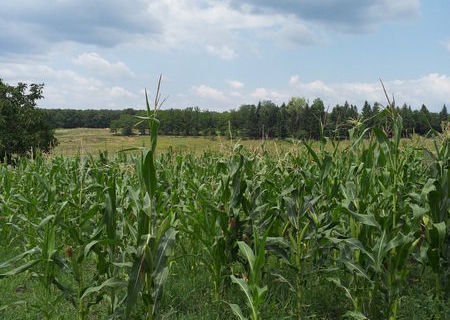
93	141
84	140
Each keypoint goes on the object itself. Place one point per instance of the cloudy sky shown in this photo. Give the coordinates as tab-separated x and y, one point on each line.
221	54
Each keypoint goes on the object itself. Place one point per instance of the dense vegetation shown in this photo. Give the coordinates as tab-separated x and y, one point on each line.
23	127
297	119
323	232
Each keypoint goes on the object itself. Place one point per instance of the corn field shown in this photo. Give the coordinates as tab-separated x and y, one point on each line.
321	232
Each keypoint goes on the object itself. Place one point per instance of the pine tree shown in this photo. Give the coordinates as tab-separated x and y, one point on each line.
367	114
443	116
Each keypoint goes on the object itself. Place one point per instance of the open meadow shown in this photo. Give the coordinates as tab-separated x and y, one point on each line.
93	141
88	140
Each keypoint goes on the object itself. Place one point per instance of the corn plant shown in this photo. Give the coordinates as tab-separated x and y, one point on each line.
367	214
252	287
154	237
216	228
436	221
380	229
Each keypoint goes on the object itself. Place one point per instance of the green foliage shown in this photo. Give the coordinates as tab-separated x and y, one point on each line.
298	119
154	236
23	127
251	287
124	124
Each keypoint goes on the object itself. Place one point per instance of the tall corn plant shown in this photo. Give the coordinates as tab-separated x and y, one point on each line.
436	214
299	217
252	287
41	254
155	234
215	228
377	220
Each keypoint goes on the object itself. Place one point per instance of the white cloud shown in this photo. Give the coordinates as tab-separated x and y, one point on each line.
260	93
120	92
314	86
203	91
432	89
224	52
65	88
294	80
267	94
219	27
294	32
216	27
234	84
95	63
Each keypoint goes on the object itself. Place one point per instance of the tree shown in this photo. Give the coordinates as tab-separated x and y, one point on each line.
267	117
114	126
341	117
296	107
282	119
23	127
297	119
422	120
252	123
125	124
408	119
443	116
318	115
367	113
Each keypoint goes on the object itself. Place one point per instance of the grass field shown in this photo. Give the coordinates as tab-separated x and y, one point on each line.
86	140
72	141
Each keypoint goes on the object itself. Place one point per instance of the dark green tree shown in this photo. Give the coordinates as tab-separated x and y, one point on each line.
125	124
296	125
408	120
422	120
267	116
317	117
297	119
443	115
366	114
23	127
282	120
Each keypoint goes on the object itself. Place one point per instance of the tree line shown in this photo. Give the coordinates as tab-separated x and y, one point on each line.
24	127
296	119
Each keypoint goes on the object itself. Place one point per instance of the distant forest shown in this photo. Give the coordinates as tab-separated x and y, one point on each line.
296	119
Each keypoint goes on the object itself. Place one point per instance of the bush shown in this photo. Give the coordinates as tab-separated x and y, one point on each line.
127	130
125	124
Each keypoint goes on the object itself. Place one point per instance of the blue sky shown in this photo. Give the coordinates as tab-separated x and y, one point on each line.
220	54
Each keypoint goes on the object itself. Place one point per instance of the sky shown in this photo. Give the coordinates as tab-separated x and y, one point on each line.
218	55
